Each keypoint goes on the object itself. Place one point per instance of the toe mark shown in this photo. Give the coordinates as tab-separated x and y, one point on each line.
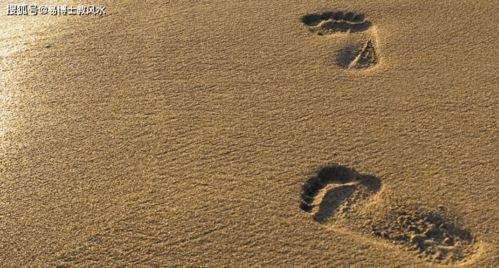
330	22
311	19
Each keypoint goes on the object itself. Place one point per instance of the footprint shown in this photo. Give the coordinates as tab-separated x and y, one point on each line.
428	234
335	192
361	53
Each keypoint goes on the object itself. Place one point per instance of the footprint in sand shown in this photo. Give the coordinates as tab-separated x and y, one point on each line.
361	52
334	192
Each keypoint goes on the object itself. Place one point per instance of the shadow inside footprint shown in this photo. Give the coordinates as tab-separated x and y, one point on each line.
357	57
347	55
332	201
371	182
367	56
336	174
330	22
311	19
347	187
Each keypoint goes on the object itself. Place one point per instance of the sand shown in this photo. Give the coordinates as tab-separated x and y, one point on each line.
251	133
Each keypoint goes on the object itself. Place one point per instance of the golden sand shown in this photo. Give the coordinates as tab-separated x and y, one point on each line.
251	133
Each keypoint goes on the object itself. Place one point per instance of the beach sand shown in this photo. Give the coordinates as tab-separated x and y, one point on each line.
251	133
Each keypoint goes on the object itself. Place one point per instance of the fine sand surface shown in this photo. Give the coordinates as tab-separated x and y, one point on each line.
244	133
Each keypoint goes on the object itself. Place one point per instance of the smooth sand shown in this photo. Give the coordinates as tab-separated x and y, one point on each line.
181	133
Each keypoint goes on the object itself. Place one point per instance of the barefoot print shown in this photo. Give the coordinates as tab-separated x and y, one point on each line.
334	191
359	54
